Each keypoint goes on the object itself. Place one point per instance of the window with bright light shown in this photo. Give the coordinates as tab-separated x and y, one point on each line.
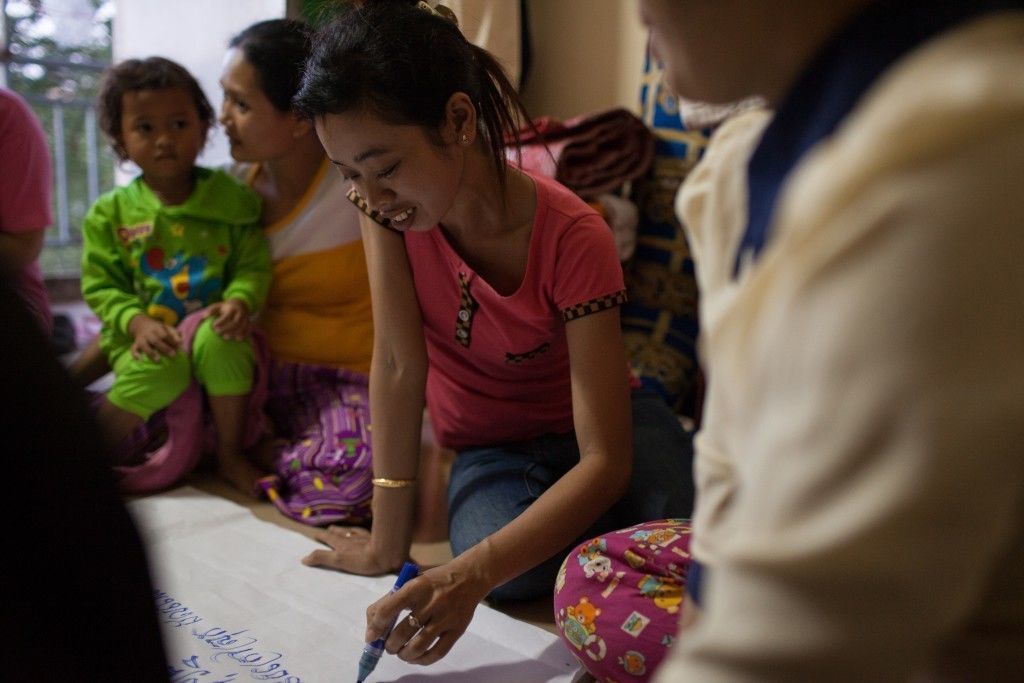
53	54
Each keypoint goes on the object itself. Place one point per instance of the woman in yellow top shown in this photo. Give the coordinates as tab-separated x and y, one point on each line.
317	316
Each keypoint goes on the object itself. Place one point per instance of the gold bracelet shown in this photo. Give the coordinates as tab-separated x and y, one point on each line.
386	483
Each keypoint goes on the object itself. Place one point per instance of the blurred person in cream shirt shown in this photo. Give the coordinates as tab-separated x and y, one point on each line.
860	506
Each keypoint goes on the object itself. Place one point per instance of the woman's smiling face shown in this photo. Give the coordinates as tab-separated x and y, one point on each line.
397	169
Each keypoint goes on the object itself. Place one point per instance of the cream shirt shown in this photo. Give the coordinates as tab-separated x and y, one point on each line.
860	470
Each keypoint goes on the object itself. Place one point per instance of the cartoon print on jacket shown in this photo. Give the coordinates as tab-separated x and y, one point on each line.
184	289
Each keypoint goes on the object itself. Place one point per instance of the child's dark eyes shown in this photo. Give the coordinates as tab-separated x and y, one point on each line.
181	124
144	127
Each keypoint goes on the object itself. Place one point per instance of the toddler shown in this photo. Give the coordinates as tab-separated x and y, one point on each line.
177	239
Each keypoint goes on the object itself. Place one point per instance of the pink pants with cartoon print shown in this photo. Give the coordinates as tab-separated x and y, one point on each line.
618	597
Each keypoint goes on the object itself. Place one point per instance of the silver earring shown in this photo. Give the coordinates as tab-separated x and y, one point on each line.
465	139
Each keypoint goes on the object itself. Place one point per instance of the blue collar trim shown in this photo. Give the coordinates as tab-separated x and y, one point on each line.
829	89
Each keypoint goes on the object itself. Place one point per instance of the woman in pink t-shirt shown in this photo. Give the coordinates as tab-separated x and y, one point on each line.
24	201
495	296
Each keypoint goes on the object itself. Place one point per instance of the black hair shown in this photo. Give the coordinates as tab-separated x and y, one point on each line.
403	63
152	73
277	49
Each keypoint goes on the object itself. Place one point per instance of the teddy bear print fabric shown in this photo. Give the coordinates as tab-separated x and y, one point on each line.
618	597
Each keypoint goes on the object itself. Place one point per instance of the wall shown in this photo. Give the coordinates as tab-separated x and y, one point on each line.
587	55
194	33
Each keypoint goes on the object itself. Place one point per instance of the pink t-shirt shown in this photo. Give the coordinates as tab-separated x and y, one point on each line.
499	365
25	181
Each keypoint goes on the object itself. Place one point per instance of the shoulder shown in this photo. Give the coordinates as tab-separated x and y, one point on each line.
222	181
115	201
220	193
562	212
568	224
725	159
20	128
711	203
15	112
959	86
559	203
948	116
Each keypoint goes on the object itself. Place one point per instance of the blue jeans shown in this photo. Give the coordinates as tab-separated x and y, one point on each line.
490	486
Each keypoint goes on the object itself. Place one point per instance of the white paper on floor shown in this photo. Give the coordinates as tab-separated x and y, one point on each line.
235	604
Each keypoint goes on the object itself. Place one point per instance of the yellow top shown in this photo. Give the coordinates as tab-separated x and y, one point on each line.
318	309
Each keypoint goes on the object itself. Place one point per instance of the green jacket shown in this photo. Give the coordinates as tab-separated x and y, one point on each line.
140	256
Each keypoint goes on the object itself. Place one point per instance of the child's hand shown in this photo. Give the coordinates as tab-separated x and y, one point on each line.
153	338
230	319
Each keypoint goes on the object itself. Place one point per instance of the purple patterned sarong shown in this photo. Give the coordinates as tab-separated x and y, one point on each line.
322	459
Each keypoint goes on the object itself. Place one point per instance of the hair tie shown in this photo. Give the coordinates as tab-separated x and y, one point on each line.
439	11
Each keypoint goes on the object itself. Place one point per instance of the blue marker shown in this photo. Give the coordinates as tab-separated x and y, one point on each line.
373	651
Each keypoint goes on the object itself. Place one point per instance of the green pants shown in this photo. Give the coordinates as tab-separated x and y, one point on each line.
144	386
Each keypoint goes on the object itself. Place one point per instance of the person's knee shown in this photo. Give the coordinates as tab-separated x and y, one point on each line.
612	587
208	344
223	366
662	482
488	488
145	386
466	529
655	425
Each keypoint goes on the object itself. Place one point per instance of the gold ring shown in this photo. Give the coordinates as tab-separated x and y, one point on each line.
413	621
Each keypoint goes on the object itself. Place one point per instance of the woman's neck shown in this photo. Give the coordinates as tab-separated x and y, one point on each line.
491	224
282	182
172	191
485	207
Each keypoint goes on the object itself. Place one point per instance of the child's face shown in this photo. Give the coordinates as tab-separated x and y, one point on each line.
256	130
161	132
396	169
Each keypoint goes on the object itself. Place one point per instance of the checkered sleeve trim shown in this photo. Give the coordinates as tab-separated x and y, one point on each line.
594	306
374	215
